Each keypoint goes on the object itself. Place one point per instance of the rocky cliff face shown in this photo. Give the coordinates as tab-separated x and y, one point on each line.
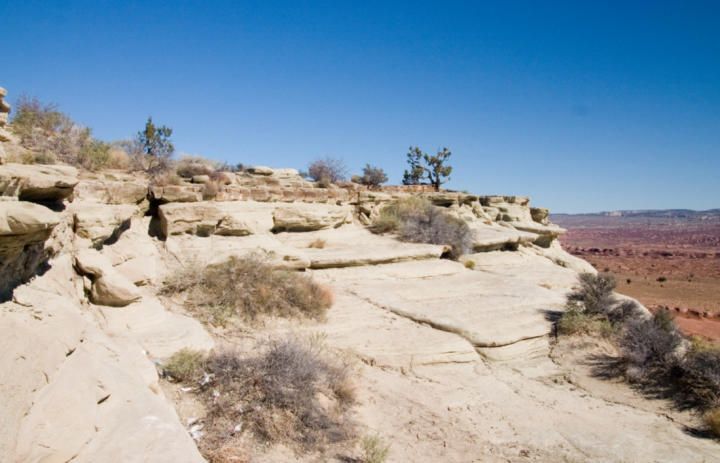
452	365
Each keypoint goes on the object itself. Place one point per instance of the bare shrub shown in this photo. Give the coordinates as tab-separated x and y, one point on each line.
374	449
210	190
276	395
53	136
248	287
327	170
595	293
372	176
417	220
701	377
649	345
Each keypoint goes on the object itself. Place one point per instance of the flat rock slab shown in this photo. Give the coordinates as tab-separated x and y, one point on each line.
37	182
160	332
355	246
495	237
385	339
488	310
526	266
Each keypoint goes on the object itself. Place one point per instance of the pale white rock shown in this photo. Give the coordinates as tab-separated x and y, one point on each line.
140	270
108	286
160	332
112	191
472	304
354	246
37	182
260	170
230	218
113	289
201	179
307	217
215	249
494	237
70	392
21	218
98	222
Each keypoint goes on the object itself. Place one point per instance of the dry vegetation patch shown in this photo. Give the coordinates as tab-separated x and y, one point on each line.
291	392
417	220
654	355
248	287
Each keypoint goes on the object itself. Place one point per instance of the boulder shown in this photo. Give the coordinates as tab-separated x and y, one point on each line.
229	218
260	170
108	286
98	222
540	214
201	179
303	217
22	218
177	193
37	182
112	192
114	290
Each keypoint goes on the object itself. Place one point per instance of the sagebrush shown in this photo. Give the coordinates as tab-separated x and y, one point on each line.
248	287
417	220
274	395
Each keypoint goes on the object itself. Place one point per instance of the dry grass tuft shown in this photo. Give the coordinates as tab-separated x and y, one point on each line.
291	392
247	288
185	365
712	420
374	449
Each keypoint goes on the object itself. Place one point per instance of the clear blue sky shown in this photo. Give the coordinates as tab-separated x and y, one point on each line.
583	106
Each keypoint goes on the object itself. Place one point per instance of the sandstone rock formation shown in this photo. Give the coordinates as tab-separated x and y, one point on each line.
452	363
42	183
24	228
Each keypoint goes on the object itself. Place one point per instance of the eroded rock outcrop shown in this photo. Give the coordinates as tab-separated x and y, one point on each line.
38	183
24	228
453	352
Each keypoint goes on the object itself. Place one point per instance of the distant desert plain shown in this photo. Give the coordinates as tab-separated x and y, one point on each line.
663	258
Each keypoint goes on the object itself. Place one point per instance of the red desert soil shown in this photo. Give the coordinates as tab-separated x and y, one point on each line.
663	262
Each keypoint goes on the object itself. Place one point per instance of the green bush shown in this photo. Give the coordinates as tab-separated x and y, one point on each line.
417	220
374	449
576	321
185	365
248	287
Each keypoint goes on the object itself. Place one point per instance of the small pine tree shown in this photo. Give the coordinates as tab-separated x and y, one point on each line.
426	167
156	146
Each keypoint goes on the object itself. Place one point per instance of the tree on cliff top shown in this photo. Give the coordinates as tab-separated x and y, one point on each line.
156	146
426	167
